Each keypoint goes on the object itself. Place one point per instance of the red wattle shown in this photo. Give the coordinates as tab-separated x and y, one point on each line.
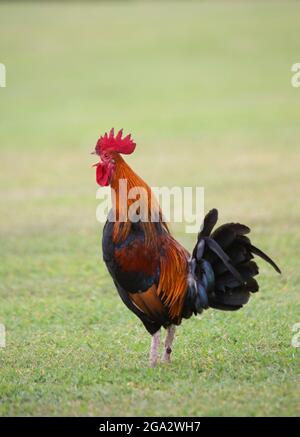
103	173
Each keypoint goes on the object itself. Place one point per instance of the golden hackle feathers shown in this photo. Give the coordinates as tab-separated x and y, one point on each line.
173	262
173	277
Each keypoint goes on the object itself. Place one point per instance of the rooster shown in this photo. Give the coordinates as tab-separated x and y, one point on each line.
156	277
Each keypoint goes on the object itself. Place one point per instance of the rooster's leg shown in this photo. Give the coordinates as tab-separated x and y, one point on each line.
166	358
154	348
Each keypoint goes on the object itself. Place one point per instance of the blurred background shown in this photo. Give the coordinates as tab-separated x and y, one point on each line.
205	89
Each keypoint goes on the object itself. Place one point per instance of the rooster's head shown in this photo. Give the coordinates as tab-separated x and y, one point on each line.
108	148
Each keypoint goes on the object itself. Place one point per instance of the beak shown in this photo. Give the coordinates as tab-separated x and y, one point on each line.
94	153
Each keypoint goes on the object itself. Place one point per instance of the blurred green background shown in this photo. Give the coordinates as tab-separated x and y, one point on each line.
205	89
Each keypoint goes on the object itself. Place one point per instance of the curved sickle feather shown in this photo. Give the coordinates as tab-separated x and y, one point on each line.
209	222
260	253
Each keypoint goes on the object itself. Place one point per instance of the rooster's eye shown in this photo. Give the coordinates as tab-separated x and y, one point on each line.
105	156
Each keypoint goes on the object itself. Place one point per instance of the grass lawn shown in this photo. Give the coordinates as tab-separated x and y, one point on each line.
205	89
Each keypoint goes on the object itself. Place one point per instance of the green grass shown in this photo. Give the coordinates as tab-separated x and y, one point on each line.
205	89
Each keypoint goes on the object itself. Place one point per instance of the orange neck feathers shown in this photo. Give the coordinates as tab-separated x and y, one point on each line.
174	262
122	202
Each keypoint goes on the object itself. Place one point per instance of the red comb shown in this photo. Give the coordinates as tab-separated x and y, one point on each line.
115	143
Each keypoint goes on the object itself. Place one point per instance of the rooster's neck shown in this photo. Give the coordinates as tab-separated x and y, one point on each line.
124	172
123	181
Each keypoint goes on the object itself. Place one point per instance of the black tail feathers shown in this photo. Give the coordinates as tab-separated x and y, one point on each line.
222	268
